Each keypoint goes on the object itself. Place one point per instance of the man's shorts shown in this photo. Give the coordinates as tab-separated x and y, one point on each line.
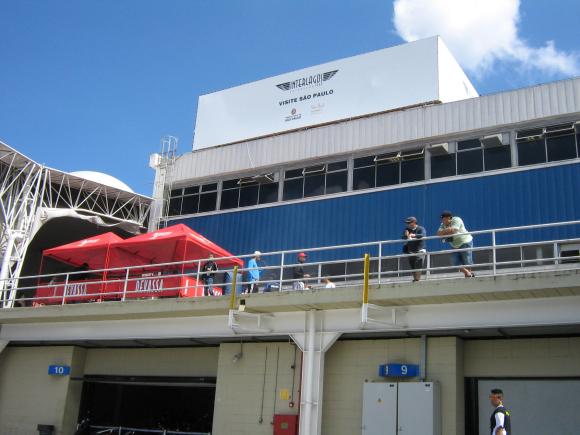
463	258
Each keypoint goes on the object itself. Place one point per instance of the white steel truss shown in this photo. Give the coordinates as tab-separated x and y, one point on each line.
28	188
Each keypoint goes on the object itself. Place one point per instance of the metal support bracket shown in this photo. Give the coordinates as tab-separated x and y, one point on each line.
245	322
372	314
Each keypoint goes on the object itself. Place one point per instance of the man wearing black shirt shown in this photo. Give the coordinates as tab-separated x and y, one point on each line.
416	245
208	272
500	417
299	273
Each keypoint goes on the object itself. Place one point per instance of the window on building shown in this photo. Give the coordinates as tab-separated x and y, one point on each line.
549	144
245	192
561	142
193	199
443	160
315	180
471	156
388	169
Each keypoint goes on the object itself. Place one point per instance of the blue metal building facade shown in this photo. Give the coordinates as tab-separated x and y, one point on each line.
514	198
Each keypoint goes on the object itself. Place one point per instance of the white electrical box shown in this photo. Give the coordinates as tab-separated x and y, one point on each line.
403	408
379	408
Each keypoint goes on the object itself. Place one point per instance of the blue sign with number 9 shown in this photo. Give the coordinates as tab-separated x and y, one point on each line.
399	370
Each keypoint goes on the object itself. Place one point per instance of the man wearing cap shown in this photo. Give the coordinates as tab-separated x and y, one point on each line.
416	245
254	272
298	272
461	239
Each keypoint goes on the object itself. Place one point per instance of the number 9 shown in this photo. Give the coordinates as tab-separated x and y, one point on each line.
404	369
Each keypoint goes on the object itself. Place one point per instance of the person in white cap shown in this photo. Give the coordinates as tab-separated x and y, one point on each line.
254	272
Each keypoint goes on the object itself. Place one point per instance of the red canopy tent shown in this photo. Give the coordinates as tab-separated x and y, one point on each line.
93	251
177	243
90	254
171	244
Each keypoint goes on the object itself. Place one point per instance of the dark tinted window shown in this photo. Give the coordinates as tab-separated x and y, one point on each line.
561	147
268	193
230	184
174	206
293	189
336	182
364	178
497	158
531	152
364	161
190	204
442	166
176	192
207	201
209	187
336	166
469	162
468	144
412	170
229	199
314	185
388	174
293	173
191	190
249	195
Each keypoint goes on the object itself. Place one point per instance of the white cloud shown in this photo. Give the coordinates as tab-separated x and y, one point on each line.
479	33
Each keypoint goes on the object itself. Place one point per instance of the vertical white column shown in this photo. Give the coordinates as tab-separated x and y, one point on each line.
314	342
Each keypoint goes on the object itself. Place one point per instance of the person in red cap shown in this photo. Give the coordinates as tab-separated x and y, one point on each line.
298	272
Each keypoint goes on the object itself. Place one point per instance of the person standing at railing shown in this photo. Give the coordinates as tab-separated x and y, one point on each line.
414	233
254	272
460	239
298	272
208	274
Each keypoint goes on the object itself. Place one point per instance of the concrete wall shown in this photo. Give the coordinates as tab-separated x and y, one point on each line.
350	363
250	390
29	396
196	361
549	357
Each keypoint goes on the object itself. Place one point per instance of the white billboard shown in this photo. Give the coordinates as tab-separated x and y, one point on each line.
406	75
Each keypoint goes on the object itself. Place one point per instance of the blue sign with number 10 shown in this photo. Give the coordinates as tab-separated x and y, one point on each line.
399	370
59	370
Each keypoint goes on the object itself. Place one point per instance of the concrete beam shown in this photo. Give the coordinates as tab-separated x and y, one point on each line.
437	317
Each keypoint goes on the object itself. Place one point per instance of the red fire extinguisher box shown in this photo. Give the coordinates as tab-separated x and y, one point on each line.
285	424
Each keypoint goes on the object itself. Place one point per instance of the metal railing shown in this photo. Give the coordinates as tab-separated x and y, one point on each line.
524	249
120	430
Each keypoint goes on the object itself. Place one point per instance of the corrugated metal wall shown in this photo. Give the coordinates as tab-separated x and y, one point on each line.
423	125
518	198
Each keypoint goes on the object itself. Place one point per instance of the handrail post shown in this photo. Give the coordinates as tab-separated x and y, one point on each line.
233	290
380	266
493	253
197	276
366	280
125	284
281	272
65	288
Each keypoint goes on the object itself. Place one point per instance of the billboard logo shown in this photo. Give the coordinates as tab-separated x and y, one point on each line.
293	115
304	82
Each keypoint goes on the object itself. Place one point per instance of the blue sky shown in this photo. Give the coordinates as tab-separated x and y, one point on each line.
94	85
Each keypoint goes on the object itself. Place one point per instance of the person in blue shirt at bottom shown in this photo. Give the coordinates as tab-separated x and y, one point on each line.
254	272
